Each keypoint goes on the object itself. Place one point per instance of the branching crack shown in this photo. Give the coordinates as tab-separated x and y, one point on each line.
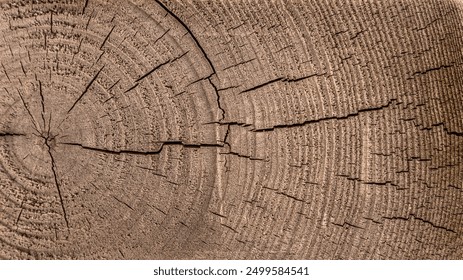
219	105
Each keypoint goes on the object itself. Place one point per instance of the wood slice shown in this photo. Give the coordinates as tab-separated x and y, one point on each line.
231	129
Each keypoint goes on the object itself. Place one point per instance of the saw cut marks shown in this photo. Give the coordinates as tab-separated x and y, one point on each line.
231	130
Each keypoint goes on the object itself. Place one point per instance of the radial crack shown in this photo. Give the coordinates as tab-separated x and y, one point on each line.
43	104
53	168
85	6
282	79
86	89
432	69
107	37
7	134
159	66
136	152
370	109
419	219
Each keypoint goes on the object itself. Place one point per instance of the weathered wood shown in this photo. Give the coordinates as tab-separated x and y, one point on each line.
231	129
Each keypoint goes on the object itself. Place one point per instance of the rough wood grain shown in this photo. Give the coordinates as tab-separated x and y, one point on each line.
231	129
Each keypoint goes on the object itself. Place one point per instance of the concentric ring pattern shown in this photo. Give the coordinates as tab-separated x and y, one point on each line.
231	129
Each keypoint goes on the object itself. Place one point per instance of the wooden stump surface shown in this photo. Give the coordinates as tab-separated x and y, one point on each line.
231	129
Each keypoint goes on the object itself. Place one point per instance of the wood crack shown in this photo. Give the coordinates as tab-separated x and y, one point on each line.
137	152
87	87
282	79
325	119
55	177
413	216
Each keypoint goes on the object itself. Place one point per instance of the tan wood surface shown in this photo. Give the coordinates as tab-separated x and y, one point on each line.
231	129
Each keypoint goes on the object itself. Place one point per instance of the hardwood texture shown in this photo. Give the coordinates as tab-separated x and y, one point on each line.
231	129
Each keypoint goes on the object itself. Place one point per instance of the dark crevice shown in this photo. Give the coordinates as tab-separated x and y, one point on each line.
219	105
346	224
6	73
230	123
53	168
158	209
242	156
355	36
151	71
372	220
160	37
88	21
9	134
20	212
371	109
217	214
363	182
189	32
132	87
281	79
113	85
159	66
202	51
136	152
48	141
86	89
230	228
288	80
22	68
446	130
122	202
98	59
42	101
227	133
240	63
455	133
85	6
385	183
432	69
419	219
292	197
107	37
262	85
51	22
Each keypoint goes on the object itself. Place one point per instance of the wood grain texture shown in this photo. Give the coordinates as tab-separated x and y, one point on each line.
233	129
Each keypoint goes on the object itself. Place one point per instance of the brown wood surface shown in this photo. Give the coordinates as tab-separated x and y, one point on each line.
231	129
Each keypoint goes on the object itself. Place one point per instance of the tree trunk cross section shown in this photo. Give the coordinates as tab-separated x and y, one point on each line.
222	130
